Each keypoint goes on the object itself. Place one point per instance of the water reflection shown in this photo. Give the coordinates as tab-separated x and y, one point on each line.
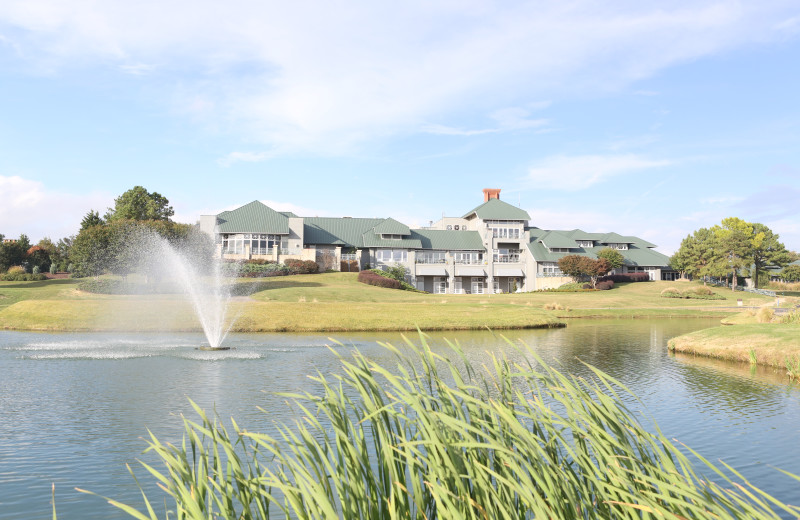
74	406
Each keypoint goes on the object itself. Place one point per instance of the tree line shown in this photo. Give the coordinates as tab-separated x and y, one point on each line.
733	248
110	243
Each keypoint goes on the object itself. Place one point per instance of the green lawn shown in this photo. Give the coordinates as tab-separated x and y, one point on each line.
772	343
337	302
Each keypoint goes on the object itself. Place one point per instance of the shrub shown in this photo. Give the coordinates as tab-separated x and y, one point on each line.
765	315
553	306
791	317
17	269
700	290
625	278
53	269
604	286
372	278
36	270
22	277
301	266
671	292
255	269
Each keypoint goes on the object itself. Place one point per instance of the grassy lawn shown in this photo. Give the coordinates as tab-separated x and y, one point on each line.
337	302
772	343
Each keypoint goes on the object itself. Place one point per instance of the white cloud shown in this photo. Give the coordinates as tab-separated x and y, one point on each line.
27	206
329	76
579	172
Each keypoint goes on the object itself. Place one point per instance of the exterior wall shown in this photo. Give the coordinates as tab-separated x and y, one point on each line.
453	222
295	236
207	224
551	282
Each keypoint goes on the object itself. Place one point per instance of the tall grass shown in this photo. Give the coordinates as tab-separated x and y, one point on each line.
434	437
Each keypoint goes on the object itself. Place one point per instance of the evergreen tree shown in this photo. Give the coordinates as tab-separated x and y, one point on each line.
766	250
91	219
139	204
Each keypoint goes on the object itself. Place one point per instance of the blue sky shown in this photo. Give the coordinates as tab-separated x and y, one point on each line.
644	118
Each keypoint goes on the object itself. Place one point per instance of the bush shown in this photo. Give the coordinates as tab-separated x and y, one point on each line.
17	269
604	286
372	278
301	266
694	293
765	315
53	269
625	278
257	269
22	277
36	270
671	292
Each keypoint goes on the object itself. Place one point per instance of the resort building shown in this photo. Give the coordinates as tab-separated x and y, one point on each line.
490	249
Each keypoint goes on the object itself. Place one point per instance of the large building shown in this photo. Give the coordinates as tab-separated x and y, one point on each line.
491	249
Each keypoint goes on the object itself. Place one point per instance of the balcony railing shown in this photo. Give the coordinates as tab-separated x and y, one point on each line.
550	274
261	251
470	261
430	260
507	259
231	251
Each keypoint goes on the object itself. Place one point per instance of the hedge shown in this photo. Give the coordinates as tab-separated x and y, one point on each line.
371	278
623	278
301	266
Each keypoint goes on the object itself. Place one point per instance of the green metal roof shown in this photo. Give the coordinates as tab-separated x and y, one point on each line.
254	217
370	239
558	239
639	252
392	227
337	231
579	234
288	214
496	209
449	240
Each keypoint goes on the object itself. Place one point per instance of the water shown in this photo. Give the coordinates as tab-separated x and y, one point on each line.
74	407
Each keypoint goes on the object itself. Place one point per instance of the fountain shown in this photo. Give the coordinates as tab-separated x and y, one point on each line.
199	275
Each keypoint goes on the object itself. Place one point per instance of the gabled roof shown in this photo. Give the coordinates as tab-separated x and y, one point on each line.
638	252
449	240
579	234
337	231
615	238
558	239
254	217
496	209
392	227
371	239
288	214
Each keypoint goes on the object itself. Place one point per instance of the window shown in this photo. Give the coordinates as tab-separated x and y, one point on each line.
549	269
457	287
506	255
619	247
439	285
586	243
496	287
505	229
431	257
468	257
391	255
477	285
514	285
391	237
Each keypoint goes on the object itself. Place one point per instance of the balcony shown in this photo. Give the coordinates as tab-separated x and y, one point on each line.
348	257
430	260
261	251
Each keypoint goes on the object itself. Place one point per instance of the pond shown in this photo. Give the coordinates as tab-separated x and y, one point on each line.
75	407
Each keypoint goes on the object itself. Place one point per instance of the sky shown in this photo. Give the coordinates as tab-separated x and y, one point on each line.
646	118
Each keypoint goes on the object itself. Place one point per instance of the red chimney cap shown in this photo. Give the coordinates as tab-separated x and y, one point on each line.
491	193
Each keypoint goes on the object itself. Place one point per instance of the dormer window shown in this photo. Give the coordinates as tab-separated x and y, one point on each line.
559	249
391	237
618	247
585	243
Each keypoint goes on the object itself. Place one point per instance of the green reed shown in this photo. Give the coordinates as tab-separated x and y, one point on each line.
434	437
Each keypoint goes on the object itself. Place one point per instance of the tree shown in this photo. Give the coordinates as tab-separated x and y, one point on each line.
791	273
734	239
578	267
14	252
698	255
139	204
89	252
38	256
614	257
766	250
91	219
